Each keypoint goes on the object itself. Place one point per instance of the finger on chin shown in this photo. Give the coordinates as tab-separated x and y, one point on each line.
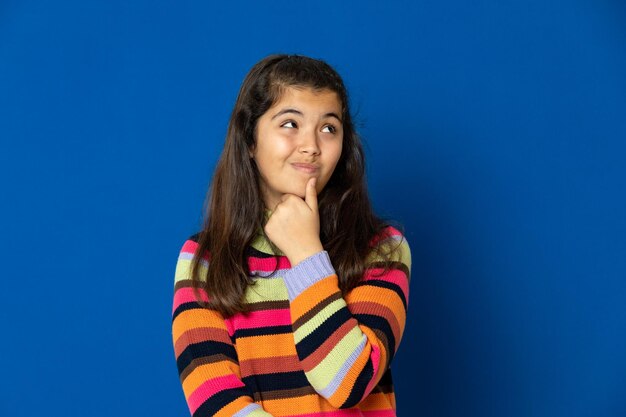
311	193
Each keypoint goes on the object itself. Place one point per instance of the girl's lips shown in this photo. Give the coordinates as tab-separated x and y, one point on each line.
308	168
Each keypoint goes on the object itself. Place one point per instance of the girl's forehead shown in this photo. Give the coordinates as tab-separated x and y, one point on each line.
308	97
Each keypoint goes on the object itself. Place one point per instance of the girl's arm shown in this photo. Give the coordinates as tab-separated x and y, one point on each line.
207	361
346	345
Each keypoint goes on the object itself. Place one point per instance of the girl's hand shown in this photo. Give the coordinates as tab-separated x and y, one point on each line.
294	225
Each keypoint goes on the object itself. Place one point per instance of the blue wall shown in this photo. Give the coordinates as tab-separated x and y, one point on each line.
495	133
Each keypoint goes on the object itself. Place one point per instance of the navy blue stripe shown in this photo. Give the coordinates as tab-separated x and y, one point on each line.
218	401
385	284
262	331
314	340
204	349
191	305
379	323
275	382
385	385
360	385
386	380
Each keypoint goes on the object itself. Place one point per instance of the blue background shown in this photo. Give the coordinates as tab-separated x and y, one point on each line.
495	133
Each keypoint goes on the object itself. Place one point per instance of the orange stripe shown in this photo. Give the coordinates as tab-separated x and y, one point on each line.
207	372
376	401
255	347
310	297
199	317
382	296
231	408
315	403
306	404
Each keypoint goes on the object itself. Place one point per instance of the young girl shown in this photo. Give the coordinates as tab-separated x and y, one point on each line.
292	299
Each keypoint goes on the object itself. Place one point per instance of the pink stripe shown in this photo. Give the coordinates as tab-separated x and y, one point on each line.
393	231
394	276
267	264
387	233
375	358
210	388
190	247
186	295
263	318
352	412
229	325
339	413
379	413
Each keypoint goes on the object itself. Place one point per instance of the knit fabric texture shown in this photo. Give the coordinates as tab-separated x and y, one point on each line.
303	349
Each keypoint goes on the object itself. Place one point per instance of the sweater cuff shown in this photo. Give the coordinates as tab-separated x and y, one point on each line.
306	273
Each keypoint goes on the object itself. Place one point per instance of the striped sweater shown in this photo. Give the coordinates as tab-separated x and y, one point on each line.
303	349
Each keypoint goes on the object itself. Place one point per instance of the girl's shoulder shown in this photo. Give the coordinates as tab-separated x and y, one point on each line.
194	238
190	247
388	234
390	245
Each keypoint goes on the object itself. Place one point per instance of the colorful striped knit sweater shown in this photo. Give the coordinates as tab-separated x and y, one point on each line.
303	350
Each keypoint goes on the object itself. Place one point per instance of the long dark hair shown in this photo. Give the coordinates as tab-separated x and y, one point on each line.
235	212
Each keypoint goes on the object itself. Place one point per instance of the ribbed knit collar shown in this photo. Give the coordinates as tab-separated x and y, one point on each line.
262	243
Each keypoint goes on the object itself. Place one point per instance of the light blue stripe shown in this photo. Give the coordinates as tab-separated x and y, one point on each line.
261	274
247	410
394	237
189	256
306	273
343	371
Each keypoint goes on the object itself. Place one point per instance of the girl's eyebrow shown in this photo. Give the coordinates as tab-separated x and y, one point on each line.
288	110
299	113
333	115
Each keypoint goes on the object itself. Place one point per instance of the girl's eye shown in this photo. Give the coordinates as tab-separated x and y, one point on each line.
329	129
290	124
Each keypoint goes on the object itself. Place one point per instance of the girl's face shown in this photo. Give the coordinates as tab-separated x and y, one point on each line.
299	137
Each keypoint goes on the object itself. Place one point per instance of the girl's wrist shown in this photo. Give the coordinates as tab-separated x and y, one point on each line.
297	257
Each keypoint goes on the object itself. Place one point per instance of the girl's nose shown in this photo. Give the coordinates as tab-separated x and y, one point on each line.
309	143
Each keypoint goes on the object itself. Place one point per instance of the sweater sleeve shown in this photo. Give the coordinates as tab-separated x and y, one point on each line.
345	345
205	355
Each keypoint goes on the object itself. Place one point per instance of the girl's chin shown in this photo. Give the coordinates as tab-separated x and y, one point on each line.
299	193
